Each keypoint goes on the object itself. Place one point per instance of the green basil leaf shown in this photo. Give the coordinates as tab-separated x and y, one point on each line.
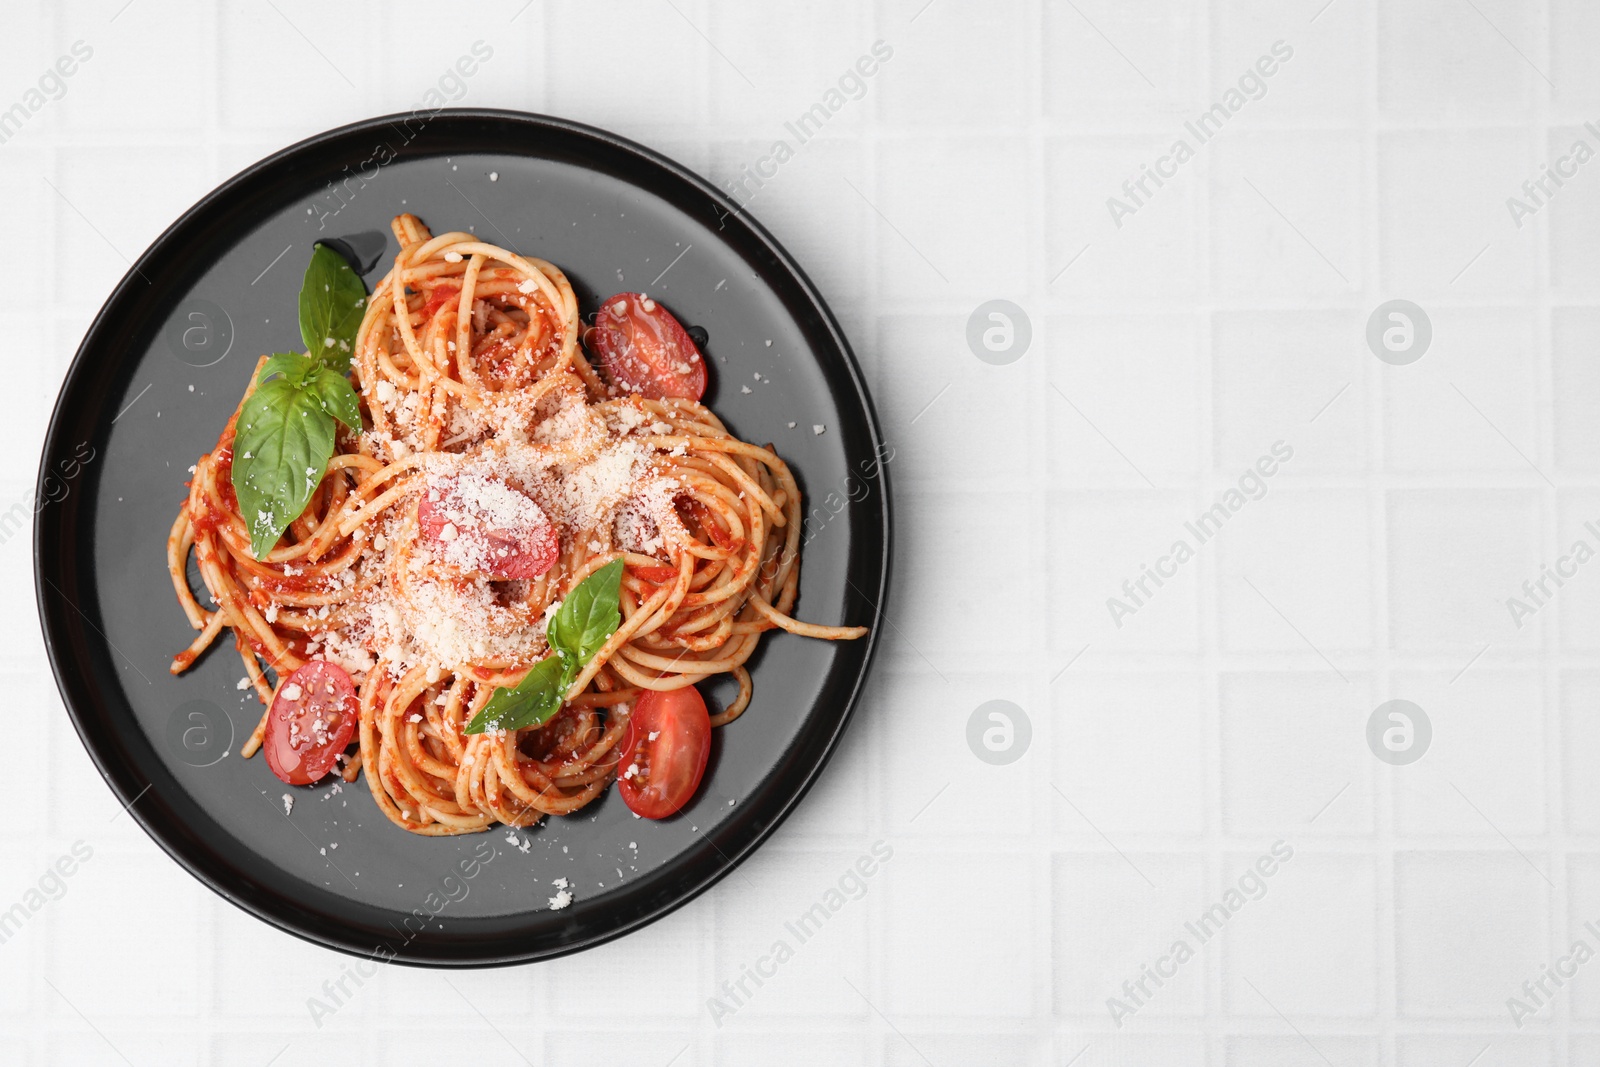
533	701
295	366
332	299
338	397
281	448
589	615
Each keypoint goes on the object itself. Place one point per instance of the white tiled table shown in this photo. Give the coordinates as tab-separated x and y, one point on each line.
1227	313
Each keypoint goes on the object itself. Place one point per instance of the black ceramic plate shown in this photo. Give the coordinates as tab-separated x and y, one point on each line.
163	366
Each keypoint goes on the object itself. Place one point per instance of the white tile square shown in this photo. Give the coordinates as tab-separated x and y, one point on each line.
1484	771
789	933
961	526
1442	1050
617	1045
1446	61
805	188
32	39
1110	923
1293	754
1306	935
1292	376
1575	368
917	86
1286	214
1135	1050
934	238
918	1047
588	986
1130	60
31	887
1104	539
105	222
1134	379
1443	226
1581	990
1574	34
795	1048
1129	754
331	82
45	72
1468	926
395	992
242	987
1566	590
117	1043
17	1048
664	51
1268	549
23	187
951	417
126	81
1477	387
1570	208
1580	748
792	68
481	62
169	902
1301	1051
929	775
22	438
17	514
988	978
30	778
510	1044
1096	252
1325	76
1453	555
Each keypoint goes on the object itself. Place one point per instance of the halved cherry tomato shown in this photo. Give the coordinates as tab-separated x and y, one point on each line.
312	720
644	349
521	543
664	751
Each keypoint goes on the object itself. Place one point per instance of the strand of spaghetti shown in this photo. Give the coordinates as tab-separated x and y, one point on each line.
740	702
182	660
179	541
806	629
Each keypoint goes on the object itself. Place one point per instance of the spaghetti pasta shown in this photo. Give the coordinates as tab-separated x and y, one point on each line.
476	392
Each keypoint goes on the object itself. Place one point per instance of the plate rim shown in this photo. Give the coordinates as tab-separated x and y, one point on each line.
56	634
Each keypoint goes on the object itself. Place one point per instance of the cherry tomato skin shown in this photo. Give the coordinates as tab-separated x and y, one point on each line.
524	552
305	734
664	752
644	350
523	555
